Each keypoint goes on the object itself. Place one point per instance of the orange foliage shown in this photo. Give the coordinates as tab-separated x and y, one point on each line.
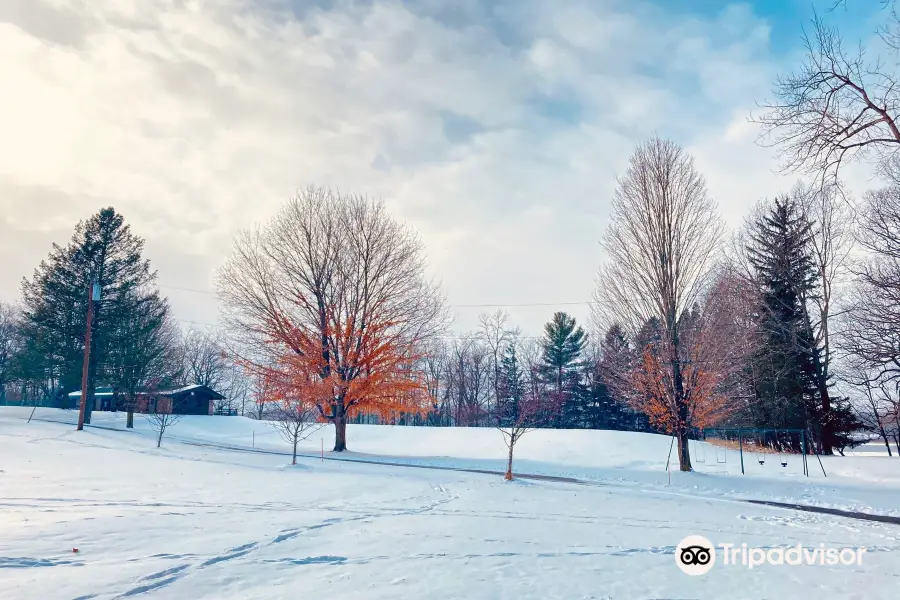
652	380
345	369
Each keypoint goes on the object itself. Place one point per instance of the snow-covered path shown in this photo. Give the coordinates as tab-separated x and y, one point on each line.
200	523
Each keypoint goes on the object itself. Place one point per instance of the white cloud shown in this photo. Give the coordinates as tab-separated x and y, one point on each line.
496	129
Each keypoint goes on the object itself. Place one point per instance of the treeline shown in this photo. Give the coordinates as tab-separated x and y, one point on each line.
473	378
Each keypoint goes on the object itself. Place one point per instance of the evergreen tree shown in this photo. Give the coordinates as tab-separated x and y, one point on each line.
55	301
616	358
511	386
563	344
144	352
785	376
595	398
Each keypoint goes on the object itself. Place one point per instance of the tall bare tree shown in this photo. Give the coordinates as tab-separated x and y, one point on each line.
830	216
660	247
338	269
872	331
496	333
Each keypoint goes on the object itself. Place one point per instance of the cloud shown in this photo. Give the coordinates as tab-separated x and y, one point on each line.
494	128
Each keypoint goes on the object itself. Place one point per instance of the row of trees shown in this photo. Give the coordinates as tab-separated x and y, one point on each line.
739	336
328	309
474	378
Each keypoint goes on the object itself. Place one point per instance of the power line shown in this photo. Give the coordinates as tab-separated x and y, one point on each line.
486	305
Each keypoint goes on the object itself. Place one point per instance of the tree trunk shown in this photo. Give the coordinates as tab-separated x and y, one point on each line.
827	425
159	439
884	436
92	363
509	474
340	428
129	420
682	425
294	458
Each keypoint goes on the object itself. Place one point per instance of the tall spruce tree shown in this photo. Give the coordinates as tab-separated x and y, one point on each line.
784	367
563	344
55	301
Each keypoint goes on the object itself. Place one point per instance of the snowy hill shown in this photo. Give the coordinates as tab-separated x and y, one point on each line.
218	513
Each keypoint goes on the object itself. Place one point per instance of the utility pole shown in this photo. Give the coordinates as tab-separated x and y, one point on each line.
93	295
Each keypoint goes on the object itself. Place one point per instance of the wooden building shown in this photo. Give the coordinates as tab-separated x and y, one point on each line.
187	400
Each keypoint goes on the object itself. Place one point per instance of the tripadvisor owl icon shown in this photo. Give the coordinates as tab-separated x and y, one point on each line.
695	555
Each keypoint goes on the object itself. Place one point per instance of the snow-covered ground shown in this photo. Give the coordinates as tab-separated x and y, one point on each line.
230	518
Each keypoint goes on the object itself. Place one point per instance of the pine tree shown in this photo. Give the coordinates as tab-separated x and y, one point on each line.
785	366
511	386
563	344
616	359
144	350
55	301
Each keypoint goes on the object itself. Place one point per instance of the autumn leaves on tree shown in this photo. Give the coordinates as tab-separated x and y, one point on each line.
330	304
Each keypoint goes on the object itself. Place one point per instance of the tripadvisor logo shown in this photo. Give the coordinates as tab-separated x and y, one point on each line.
696	555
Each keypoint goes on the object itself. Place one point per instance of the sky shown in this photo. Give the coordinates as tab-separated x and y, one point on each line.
495	129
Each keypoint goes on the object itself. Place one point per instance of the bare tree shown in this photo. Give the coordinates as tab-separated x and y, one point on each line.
339	270
517	410
469	372
496	333
295	420
434	368
830	215
872	330
661	245
837	107
161	417
236	389
878	408
205	360
10	342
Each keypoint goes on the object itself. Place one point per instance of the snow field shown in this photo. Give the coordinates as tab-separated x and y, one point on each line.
221	522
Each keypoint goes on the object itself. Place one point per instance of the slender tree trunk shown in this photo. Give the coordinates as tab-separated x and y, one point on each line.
509	474
340	427
884	435
129	420
682	425
159	439
294	458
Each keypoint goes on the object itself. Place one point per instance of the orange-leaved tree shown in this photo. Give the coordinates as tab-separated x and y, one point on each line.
330	302
715	338
349	370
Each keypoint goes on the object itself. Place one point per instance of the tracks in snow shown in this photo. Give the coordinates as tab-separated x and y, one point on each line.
167	577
